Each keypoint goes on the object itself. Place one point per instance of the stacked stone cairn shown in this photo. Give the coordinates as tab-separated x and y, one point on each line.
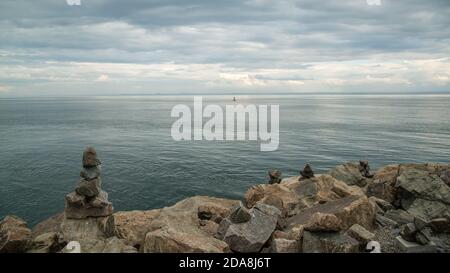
274	177
88	200
307	173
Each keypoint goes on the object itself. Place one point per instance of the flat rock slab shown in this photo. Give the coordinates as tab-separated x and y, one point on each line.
411	247
349	210
329	242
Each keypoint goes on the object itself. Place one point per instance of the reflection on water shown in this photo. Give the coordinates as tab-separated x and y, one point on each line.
41	141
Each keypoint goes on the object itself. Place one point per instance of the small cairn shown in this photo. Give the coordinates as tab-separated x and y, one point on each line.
88	200
364	168
274	176
307	173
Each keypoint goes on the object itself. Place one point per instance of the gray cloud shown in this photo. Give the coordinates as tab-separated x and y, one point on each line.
257	45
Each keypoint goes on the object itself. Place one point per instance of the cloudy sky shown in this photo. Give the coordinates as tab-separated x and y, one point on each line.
241	46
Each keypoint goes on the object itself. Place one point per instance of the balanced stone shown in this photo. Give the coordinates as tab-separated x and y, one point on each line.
89	188
307	172
88	200
90	158
275	176
91	173
364	169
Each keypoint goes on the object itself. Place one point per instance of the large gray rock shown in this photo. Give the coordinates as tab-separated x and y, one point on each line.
385	222
349	173
281	245
382	185
252	235
422	192
177	229
329	242
400	216
240	214
14	235
347	210
78	207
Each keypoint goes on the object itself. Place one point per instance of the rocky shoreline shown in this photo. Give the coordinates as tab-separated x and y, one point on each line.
398	208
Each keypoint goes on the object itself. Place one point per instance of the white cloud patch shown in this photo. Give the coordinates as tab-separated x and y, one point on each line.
103	78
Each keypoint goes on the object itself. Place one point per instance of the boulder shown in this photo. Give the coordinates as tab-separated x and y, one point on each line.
383	184
87	229
440	225
213	211
222	228
348	210
209	227
116	245
46	243
277	195
408	232
90	158
445	176
412	247
291	195
350	174
274	176
307	172
362	235
177	228
328	242
52	224
323	222
252	235
132	226
422	192
169	240
281	245
14	235
383	204
78	207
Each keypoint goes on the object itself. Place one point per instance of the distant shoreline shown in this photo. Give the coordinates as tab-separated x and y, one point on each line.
383	94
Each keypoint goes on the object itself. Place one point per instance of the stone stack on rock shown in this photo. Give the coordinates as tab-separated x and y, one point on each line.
274	177
88	200
88	215
307	172
364	169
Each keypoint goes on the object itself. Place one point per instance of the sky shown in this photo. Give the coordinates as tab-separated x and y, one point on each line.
50	48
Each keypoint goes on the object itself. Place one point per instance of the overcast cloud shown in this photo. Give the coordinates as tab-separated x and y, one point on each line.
260	46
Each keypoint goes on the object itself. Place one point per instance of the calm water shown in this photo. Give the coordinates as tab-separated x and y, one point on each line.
41	141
